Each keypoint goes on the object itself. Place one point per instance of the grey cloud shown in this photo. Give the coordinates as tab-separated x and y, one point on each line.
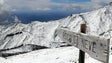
3	12
47	5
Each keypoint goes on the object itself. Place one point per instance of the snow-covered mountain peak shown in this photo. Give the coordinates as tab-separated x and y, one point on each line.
17	37
98	22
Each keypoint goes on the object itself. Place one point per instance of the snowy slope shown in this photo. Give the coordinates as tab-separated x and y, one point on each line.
99	22
34	33
42	33
55	55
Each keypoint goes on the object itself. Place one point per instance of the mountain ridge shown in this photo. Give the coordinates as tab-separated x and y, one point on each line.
42	33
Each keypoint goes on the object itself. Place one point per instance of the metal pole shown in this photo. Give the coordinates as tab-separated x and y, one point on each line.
82	53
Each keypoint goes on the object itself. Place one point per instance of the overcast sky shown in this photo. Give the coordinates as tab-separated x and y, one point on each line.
70	6
56	5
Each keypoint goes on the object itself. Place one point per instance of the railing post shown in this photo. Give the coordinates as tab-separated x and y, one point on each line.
82	53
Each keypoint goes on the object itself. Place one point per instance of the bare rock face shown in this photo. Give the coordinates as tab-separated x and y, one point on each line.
20	50
110	3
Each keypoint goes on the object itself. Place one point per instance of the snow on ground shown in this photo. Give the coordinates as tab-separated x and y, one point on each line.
55	55
99	22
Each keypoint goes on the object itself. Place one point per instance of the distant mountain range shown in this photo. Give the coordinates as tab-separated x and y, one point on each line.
12	36
99	22
29	16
